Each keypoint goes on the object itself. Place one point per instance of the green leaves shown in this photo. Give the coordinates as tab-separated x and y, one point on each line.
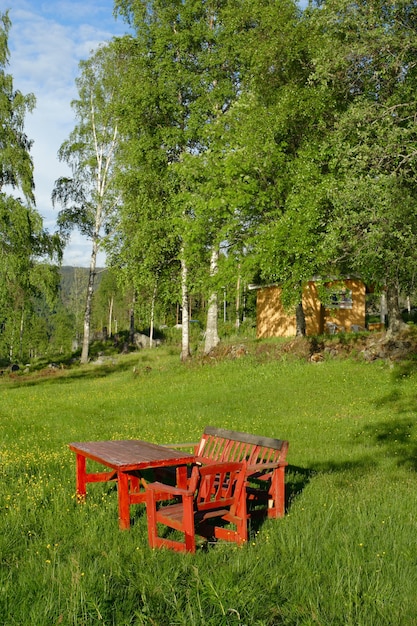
288	136
88	198
24	244
16	168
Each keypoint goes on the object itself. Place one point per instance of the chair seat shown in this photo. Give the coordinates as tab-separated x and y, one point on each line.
175	513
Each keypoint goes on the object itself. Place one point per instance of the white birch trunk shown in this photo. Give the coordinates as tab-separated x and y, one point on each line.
212	337
103	168
151	326
88	304
132	319
111	316
22	325
237	309
383	308
185	332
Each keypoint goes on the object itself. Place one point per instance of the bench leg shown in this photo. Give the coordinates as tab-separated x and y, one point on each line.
276	502
188	525
242	522
151	514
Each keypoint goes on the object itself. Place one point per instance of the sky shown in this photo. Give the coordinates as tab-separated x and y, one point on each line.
47	40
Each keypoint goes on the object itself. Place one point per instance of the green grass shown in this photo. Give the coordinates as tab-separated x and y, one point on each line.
345	554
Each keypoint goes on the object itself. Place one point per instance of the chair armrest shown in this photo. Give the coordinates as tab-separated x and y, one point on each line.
162	488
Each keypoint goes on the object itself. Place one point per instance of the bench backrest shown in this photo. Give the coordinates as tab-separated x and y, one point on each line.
220	445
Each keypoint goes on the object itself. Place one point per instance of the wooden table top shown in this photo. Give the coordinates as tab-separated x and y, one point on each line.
131	454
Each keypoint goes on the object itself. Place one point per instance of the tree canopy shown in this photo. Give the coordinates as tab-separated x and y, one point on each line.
229	141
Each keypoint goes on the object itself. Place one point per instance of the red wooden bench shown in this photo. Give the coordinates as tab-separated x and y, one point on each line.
266	463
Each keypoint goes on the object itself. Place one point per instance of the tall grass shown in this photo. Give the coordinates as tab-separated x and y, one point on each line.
345	554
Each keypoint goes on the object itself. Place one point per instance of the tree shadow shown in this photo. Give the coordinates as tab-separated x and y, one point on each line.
397	398
62	376
395	439
404	369
296	480
299	477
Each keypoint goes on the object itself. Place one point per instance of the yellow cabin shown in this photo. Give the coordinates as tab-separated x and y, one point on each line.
344	309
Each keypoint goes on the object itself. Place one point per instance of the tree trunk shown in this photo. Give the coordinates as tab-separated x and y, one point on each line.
22	325
151	326
185	326
300	321
212	337
383	308
111	303
395	321
88	304
237	308
132	320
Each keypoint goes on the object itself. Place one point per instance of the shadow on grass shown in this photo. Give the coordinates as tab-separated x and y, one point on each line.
397	401
296	479
399	397
405	369
395	439
62	376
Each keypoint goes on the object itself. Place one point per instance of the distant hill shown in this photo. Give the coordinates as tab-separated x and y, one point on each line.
71	275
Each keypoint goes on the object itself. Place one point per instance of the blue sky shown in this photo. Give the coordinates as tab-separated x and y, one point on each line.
47	40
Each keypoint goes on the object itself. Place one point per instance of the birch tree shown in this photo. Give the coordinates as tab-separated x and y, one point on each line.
25	247
188	78
88	198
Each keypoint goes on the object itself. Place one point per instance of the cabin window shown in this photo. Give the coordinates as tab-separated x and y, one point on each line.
339	298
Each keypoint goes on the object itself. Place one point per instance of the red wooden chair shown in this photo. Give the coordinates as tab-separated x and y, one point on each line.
213	500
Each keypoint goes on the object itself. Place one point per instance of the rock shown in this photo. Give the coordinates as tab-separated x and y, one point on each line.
141	341
237	352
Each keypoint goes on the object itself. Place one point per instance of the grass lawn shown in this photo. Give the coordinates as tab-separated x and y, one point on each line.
345	554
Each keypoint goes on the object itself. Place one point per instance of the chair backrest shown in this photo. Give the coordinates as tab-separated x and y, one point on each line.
219	485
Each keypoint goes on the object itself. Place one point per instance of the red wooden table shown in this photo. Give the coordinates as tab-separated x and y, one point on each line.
126	459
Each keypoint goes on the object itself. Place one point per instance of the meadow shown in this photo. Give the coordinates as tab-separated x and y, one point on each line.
345	553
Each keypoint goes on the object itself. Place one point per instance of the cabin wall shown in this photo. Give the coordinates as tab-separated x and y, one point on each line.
272	320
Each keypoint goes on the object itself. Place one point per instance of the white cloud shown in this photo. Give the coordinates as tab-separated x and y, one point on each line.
47	40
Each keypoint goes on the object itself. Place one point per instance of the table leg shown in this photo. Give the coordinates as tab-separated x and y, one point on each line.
182	477
123	497
81	476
